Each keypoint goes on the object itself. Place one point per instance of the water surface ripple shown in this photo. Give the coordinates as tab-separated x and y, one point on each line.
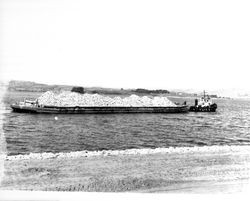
37	133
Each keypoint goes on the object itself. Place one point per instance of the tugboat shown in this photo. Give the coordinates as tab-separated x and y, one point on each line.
204	104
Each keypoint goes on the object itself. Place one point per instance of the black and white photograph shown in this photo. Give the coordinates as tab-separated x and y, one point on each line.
139	97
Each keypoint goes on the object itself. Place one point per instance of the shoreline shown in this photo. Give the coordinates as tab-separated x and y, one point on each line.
205	170
142	151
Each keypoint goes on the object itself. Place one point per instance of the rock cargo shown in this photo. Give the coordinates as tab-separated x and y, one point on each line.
72	99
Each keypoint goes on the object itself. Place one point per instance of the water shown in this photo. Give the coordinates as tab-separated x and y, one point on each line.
34	133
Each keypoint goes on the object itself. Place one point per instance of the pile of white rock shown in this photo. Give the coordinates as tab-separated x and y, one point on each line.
75	99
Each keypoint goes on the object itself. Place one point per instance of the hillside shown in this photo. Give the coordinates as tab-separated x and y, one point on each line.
27	86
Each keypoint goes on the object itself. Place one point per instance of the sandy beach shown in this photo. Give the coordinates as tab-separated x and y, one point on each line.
204	170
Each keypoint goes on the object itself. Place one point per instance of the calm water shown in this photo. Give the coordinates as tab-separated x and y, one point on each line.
26	133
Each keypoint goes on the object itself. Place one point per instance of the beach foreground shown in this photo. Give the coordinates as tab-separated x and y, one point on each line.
205	170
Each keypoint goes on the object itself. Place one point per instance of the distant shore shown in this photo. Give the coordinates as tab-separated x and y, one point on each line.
27	86
207	171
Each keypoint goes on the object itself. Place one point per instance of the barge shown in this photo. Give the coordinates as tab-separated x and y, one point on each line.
33	108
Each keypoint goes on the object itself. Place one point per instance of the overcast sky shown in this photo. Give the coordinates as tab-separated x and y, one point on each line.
130	43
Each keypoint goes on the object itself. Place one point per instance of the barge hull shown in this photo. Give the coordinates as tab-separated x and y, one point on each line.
98	110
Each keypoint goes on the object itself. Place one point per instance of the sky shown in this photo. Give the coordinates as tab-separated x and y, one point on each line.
126	44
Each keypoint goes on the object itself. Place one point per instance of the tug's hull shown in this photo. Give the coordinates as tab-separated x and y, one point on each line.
211	108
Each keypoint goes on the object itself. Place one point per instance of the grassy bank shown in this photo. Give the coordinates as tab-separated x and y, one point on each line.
211	171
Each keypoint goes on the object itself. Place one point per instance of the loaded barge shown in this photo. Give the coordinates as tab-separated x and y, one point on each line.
34	108
203	105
